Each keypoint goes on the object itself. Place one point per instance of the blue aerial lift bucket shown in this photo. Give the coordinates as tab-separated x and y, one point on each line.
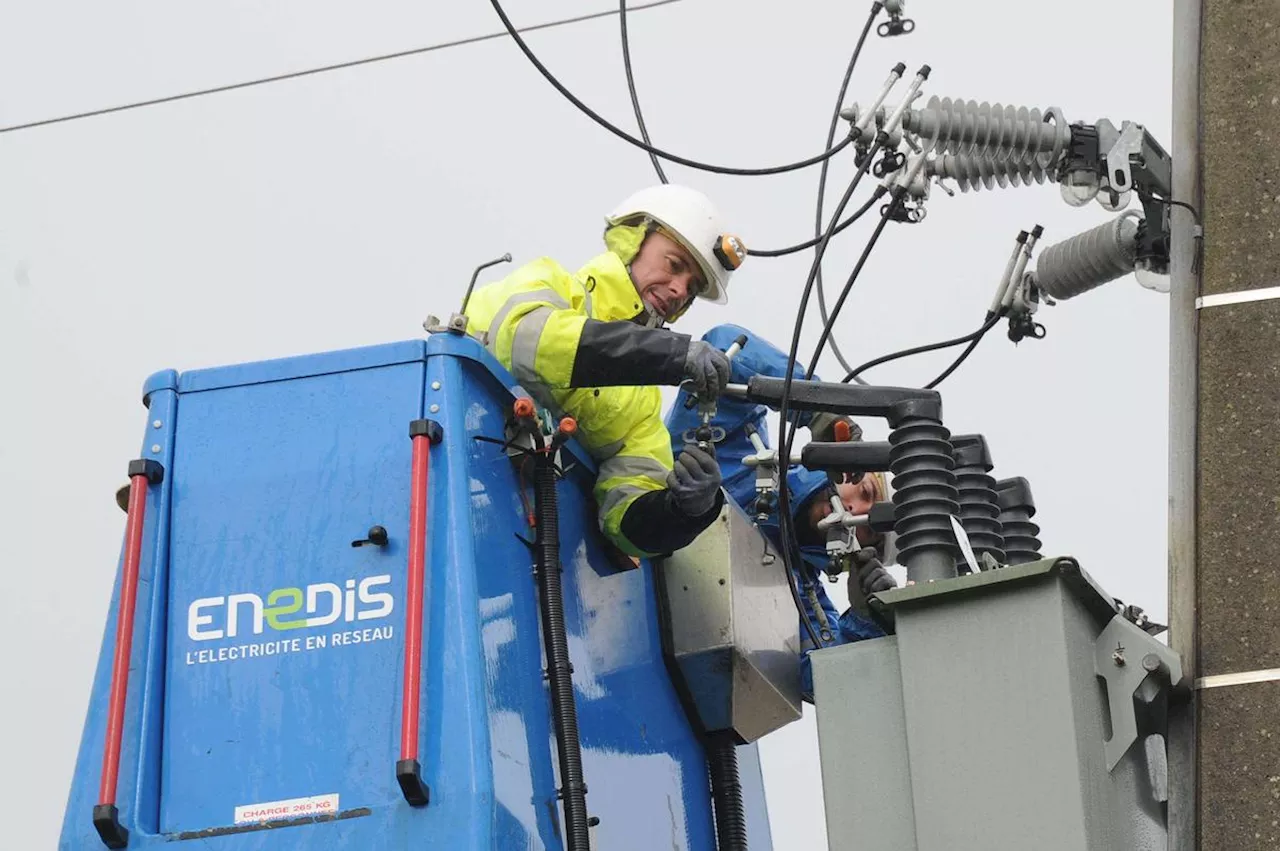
261	692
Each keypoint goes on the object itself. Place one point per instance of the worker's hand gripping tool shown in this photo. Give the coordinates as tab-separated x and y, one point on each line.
706	434
841	528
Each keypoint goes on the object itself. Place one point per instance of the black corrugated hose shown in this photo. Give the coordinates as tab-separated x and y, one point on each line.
564	711
726	792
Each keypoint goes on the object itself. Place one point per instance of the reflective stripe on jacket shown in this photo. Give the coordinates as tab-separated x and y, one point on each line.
536	322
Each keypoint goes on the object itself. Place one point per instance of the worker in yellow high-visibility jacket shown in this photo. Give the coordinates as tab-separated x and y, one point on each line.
592	345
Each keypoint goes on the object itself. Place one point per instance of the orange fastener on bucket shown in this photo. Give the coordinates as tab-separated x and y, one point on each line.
569	426
524	407
842	431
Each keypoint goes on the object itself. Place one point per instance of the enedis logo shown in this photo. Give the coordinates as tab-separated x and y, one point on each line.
287	609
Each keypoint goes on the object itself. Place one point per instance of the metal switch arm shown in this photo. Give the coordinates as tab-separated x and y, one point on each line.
1124	657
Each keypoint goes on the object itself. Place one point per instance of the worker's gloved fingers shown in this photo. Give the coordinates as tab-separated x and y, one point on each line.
688	472
866	555
707	382
822	426
708	369
873	578
686	468
703	459
721	365
693	366
694	481
715	374
877	581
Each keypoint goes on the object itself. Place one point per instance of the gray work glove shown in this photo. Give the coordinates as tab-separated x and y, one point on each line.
822	427
695	481
707	369
872	576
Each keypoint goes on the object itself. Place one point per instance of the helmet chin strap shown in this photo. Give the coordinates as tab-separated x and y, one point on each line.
651	318
654	319
647	317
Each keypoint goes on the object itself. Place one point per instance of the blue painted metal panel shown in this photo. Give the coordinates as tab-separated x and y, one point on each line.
283	636
644	767
273	470
302	366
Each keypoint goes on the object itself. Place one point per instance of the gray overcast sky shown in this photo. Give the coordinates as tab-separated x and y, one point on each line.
340	209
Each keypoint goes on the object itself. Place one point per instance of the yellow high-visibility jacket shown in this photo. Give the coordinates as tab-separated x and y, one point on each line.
571	341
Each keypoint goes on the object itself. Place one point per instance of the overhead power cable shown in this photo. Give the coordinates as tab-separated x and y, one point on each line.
662	176
810	243
968	350
822	176
624	135
786	529
885	217
919	350
631	87
324	69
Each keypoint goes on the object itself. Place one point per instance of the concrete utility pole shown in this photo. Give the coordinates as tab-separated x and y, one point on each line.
1225	426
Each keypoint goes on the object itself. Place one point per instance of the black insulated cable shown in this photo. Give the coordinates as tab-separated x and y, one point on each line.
624	135
885	217
564	712
1195	214
810	243
792	561
968	350
822	177
791	557
726	791
919	350
631	87
662	176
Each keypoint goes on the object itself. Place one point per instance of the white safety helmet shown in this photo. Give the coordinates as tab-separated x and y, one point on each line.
693	220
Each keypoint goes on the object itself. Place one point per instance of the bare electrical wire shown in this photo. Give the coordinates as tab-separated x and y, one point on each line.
293	75
625	136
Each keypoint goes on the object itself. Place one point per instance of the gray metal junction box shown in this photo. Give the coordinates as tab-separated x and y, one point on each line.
1012	710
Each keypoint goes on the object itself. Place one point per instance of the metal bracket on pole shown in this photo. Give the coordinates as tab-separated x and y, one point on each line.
1124	657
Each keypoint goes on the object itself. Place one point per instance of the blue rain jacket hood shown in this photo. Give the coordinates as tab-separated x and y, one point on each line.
758	357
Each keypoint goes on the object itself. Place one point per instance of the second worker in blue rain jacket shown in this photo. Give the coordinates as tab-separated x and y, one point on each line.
810	493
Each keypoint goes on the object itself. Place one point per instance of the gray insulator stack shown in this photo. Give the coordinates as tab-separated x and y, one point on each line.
979	505
975	172
995	131
925	496
1090	259
1021	544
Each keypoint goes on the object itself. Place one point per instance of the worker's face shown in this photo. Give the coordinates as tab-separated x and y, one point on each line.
665	275
858	497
